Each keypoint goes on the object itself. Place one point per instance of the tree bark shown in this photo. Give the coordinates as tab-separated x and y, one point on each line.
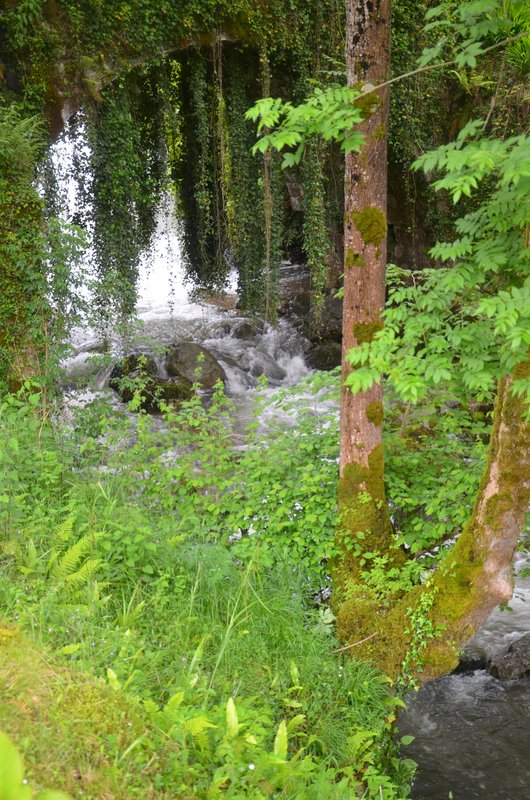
420	632
363	511
436	619
477	576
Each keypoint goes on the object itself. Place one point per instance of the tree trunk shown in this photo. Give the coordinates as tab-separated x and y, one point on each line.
418	633
428	626
365	522
477	576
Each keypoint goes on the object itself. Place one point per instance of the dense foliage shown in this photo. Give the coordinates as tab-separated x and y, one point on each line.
184	113
465	324
39	258
63	56
125	553
169	582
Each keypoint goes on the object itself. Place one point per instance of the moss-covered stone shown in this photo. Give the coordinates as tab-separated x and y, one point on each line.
371	224
365	332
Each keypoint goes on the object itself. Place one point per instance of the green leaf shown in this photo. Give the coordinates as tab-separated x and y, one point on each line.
11	770
281	740
232	721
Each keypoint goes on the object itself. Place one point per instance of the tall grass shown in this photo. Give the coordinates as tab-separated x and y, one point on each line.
112	563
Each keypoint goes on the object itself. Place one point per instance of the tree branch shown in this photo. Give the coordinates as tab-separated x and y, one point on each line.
451	63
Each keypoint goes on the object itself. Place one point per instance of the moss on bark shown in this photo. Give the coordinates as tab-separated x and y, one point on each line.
353	259
374	413
371	224
474	576
364	523
367	103
366	331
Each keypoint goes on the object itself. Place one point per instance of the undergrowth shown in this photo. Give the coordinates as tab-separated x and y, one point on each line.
168	576
172	611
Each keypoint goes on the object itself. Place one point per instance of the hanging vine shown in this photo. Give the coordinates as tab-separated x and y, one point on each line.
246	215
189	109
316	235
268	200
200	168
125	180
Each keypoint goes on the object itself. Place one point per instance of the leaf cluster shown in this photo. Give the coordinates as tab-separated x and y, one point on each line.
329	113
465	323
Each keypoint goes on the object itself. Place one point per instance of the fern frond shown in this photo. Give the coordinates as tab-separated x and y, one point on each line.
84	573
71	559
198	728
65	529
172	708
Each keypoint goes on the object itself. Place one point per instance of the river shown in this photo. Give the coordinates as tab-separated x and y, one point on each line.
472	732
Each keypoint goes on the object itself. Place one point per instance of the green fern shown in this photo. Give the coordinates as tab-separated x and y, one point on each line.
20	141
62	534
198	728
70	560
65	530
84	573
172	713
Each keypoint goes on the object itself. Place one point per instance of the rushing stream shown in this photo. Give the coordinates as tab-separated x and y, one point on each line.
472	732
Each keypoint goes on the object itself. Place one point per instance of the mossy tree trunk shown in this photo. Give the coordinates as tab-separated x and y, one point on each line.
426	628
416	633
477	576
365	522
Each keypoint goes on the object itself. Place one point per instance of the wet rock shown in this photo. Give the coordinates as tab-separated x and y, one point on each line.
296	305
138	371
512	663
247	329
266	365
295	290
325	321
134	365
469	664
182	362
324	356
93	346
222	329
82	366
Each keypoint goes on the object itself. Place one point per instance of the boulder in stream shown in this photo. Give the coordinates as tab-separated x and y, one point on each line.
512	663
247	329
139	371
182	362
324	356
324	321
265	364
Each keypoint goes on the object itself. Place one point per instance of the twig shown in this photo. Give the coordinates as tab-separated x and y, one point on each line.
349	646
451	63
